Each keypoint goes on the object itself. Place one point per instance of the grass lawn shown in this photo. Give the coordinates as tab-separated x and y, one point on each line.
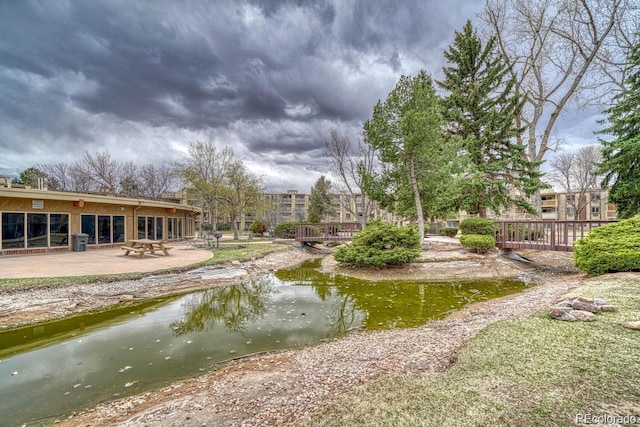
528	372
224	254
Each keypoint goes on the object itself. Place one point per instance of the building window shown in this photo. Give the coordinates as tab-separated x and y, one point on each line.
59	230
22	230
88	226
159	228
37	231
595	197
103	229
571	198
151	228
118	229
571	211
174	228
595	210
12	230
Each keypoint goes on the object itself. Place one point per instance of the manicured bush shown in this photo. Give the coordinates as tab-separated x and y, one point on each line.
478	243
449	231
257	227
286	230
610	248
481	226
381	244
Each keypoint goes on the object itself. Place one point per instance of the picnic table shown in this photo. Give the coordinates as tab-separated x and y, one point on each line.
142	246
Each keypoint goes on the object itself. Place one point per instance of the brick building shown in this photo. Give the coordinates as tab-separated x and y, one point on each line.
38	220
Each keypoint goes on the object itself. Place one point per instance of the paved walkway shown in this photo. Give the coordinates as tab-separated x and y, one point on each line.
97	261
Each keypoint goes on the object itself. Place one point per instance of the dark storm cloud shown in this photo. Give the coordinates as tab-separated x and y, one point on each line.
268	77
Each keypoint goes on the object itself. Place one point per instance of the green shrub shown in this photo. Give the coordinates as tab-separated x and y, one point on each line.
610	248
478	243
381	244
481	226
449	231
257	227
286	230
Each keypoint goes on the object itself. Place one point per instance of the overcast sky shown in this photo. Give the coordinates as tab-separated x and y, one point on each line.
268	78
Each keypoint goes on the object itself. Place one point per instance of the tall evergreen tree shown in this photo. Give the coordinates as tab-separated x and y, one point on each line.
320	200
406	132
481	108
621	156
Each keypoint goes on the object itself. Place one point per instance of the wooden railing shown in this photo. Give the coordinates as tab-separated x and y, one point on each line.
543	235
327	231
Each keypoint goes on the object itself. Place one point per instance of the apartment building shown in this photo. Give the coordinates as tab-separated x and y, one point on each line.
590	205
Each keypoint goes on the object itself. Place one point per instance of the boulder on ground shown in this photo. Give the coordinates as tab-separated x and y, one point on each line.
579	304
585	316
564	303
559	313
632	325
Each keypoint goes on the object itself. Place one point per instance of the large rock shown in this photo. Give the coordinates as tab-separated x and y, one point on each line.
599	301
607	307
581	305
560	313
564	303
632	325
585	316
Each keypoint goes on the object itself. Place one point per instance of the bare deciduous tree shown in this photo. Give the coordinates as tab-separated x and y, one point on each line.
155	181
239	193
347	162
576	172
98	172
102	170
57	176
209	173
563	51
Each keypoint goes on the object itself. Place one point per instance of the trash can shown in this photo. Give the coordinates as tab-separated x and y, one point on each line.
79	242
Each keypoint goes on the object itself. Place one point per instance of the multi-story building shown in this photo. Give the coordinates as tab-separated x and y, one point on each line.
555	206
591	205
293	206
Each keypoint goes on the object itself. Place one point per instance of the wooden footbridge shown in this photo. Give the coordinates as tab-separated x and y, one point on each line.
538	235
543	235
327	232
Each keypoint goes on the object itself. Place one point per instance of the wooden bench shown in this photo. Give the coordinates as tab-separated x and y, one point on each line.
128	249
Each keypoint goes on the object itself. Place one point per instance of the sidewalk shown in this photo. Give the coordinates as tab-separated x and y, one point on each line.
97	261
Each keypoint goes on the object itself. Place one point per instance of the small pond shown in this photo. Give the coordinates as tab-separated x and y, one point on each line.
52	369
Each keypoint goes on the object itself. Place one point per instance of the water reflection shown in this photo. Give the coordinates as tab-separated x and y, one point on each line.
134	350
232	306
393	304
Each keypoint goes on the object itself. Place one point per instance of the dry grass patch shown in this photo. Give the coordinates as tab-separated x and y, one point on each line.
533	371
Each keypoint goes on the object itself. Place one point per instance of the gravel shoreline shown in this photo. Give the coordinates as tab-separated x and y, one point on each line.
289	387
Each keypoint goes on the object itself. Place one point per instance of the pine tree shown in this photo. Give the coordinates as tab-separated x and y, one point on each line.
621	156
320	200
406	133
481	107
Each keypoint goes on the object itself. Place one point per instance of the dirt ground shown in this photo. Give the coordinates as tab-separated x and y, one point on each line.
288	387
